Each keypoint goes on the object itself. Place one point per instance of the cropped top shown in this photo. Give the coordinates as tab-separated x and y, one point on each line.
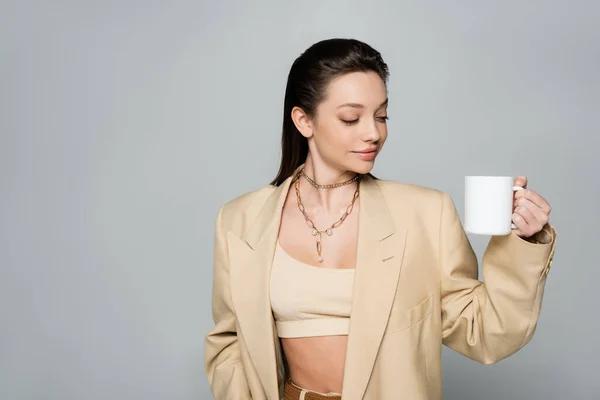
308	300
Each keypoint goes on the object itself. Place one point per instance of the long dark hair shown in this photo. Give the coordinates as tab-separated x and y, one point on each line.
307	82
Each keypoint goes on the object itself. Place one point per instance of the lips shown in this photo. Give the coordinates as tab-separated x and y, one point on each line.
367	151
366	155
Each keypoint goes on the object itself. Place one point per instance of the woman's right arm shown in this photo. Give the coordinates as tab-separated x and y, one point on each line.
223	362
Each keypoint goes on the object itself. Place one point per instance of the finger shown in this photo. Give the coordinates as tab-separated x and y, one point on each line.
520	225
527	215
521	181
535	198
531	224
518	232
523	228
538	213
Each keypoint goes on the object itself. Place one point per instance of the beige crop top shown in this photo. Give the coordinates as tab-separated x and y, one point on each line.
308	300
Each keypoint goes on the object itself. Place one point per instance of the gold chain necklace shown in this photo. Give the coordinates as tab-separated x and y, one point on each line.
329	231
331	185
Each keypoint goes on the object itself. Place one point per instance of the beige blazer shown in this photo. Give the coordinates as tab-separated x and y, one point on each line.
416	287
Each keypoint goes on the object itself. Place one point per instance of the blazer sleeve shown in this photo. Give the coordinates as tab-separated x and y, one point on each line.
223	363
488	321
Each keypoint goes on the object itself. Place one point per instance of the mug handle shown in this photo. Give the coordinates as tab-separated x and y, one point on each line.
515	188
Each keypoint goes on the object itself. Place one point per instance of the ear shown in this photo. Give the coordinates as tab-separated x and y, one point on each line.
302	121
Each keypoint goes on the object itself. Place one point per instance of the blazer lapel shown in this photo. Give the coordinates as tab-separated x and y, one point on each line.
379	258
251	258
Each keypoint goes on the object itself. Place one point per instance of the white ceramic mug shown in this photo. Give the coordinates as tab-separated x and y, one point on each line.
489	204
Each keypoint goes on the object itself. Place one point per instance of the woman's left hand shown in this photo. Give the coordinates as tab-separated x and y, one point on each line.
530	210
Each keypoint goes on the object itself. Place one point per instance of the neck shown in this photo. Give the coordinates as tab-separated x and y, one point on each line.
333	200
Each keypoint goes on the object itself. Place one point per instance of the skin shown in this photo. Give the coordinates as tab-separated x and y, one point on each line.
317	363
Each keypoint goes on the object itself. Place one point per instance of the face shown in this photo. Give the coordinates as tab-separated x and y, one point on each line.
350	127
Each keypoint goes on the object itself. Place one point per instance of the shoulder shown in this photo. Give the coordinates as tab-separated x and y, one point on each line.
423	205
246	205
418	195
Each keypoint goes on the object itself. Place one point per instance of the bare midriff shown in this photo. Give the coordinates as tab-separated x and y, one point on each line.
316	363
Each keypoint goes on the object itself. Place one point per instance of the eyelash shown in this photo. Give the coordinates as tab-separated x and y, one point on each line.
381	119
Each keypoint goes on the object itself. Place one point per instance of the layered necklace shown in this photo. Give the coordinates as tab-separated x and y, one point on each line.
328	231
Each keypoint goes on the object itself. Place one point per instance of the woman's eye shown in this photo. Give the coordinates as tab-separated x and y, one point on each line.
350	122
383	119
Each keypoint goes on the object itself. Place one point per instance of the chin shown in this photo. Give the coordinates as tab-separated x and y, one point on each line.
363	167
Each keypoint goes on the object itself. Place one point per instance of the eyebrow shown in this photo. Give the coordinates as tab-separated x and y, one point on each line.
358	105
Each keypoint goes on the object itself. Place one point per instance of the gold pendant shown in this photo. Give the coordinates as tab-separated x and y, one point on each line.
319	249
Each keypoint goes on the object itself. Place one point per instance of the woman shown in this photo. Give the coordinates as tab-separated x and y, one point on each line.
331	281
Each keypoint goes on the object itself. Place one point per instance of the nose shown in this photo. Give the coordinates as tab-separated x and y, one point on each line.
372	134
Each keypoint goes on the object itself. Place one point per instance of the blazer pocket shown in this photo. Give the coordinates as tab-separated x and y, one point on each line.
410	317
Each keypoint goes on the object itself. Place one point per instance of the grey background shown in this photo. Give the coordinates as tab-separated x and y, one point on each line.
125	125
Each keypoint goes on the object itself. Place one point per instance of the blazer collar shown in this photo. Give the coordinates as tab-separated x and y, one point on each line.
379	258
